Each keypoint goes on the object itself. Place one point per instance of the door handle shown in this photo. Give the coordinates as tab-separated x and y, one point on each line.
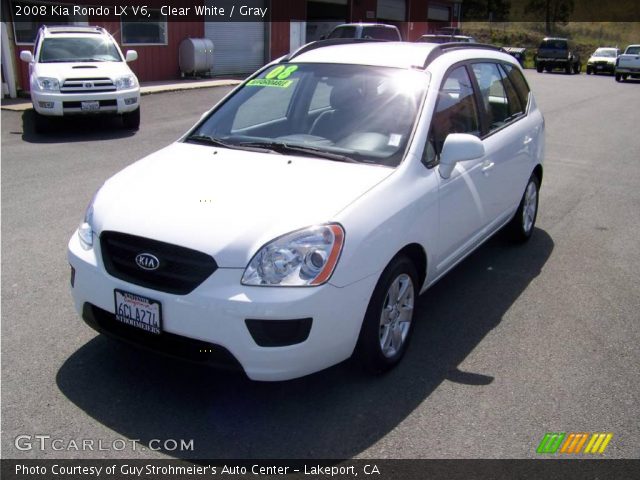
487	165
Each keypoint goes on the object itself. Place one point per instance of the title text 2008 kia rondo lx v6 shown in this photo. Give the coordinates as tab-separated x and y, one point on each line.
297	222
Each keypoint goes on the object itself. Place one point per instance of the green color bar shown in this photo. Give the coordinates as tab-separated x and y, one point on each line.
550	442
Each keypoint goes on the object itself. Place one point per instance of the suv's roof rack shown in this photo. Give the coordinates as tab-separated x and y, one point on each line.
445	47
328	43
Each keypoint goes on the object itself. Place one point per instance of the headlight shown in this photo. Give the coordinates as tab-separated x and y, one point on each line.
305	257
48	84
85	230
128	81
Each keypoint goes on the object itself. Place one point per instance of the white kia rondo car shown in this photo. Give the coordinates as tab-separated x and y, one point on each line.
81	70
296	223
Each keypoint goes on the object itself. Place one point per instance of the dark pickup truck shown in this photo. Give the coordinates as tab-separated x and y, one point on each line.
558	53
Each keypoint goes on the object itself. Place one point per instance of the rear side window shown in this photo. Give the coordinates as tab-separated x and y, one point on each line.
520	84
343	32
382	33
499	98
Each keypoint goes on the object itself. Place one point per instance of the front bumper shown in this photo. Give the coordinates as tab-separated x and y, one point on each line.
215	314
601	67
59	104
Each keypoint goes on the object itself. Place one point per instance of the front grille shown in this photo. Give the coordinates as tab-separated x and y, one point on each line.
180	269
87	85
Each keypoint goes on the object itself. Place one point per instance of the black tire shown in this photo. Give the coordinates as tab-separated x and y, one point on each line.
588	71
567	69
618	77
539	67
369	350
131	120
577	68
518	227
40	123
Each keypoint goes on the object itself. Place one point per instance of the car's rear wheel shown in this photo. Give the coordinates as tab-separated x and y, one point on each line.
131	120
524	221
388	322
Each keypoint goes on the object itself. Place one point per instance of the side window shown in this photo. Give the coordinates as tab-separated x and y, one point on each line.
455	112
515	105
520	84
274	104
493	93
321	96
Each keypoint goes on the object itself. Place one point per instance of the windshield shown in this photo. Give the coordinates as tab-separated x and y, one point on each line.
554	44
605	52
337	112
79	49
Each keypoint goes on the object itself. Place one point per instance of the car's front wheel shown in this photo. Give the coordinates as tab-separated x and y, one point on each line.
523	222
131	120
618	77
387	325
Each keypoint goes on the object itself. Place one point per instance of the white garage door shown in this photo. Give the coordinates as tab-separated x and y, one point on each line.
392	10
238	47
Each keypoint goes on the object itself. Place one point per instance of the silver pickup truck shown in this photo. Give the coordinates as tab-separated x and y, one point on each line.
628	64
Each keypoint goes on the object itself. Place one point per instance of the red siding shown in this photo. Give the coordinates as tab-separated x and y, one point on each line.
294	9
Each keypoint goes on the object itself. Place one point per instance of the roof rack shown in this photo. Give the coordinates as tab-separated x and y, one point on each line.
328	43
444	47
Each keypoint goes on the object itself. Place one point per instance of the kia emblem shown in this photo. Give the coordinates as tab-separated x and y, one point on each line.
146	261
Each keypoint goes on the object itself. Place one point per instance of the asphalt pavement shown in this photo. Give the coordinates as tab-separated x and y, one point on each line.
515	342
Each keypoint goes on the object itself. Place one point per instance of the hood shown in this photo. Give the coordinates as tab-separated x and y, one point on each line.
62	71
598	58
227	203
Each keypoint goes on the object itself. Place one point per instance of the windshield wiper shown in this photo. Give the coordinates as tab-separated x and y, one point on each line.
307	150
216	142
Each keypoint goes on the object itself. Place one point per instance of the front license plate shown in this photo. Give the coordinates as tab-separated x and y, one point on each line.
90	106
599	67
137	311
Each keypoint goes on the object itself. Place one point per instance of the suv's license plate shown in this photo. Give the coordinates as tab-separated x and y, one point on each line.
90	106
137	311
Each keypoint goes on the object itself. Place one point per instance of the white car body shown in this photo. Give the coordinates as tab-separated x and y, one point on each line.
180	196
81	83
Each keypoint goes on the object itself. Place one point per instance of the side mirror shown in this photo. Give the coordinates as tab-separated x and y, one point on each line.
131	56
457	148
26	56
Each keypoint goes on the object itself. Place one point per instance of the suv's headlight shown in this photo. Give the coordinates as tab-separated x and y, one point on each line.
85	230
305	257
128	81
48	84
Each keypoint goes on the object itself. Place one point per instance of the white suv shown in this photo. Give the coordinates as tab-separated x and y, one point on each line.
81	70
297	221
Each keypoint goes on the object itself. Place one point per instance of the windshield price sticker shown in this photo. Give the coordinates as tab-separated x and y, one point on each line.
276	77
264	82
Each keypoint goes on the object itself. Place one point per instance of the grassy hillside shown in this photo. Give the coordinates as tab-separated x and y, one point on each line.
587	35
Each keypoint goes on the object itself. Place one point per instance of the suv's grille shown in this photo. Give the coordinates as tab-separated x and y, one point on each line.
180	269
87	85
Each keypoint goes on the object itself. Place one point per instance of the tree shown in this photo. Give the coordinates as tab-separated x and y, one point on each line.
495	10
554	11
